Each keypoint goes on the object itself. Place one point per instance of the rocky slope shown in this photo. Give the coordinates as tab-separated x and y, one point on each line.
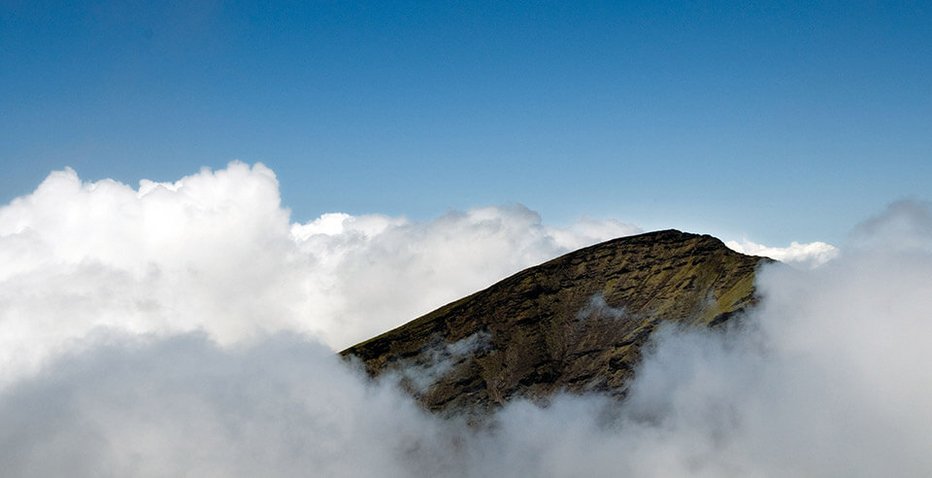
575	323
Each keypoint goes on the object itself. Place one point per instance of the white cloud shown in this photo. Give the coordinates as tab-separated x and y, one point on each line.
182	406
810	255
828	377
215	251
829	380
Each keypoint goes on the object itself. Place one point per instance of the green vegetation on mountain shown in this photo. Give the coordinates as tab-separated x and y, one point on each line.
575	323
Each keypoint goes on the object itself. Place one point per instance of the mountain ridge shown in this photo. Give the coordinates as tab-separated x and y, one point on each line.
575	323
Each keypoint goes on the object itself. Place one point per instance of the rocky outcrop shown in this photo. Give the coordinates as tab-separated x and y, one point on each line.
575	323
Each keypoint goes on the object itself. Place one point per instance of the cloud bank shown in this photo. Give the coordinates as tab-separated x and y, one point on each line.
168	352
216	252
807	255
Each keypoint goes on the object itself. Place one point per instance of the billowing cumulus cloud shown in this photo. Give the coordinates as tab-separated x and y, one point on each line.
170	355
216	252
809	255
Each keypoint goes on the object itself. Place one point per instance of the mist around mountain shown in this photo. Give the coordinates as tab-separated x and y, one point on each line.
189	329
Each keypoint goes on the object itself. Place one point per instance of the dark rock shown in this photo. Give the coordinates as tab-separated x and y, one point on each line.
576	323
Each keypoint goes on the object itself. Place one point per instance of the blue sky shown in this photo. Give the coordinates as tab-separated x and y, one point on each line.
777	123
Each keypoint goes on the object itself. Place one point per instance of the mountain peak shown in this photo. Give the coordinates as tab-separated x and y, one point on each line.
575	323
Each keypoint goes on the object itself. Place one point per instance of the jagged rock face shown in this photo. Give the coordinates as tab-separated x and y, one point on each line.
575	323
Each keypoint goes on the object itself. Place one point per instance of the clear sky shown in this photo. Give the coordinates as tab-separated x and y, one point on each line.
778	123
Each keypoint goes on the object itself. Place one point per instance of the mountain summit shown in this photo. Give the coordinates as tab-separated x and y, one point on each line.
576	323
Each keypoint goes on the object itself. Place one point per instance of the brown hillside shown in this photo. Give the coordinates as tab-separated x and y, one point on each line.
575	323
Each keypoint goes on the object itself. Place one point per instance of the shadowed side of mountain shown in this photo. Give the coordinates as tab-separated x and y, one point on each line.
575	323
